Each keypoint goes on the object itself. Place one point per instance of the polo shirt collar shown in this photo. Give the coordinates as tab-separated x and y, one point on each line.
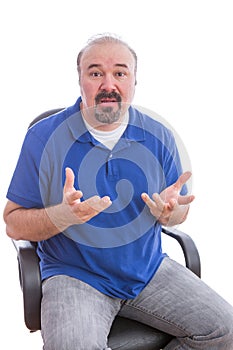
135	130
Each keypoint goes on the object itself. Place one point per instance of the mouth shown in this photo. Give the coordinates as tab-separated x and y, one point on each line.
108	101
108	98
105	100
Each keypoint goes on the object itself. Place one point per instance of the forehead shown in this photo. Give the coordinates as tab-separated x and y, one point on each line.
107	54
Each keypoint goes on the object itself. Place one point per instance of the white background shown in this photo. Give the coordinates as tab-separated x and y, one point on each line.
185	75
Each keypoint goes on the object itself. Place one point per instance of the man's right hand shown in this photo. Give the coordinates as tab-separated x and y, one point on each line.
81	211
40	224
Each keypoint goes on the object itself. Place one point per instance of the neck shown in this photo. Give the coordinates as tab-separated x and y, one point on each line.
89	117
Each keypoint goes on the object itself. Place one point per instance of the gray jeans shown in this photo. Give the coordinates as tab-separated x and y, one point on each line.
76	316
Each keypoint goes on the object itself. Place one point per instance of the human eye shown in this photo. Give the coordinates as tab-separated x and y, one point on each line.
121	74
95	74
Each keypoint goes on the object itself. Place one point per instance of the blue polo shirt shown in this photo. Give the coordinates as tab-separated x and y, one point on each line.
118	251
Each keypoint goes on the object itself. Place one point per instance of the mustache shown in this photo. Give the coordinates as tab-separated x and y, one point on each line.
109	95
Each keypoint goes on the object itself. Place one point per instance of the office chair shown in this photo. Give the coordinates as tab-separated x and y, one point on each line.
125	334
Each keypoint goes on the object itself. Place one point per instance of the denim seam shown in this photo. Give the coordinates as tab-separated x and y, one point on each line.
157	316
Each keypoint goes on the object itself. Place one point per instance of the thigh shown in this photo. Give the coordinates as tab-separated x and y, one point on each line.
74	315
177	302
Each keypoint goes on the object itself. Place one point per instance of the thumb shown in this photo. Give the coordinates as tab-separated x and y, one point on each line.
182	179
69	192
69	181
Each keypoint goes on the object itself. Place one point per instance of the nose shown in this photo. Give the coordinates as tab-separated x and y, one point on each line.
108	83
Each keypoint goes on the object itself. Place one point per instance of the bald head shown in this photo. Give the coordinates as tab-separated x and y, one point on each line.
102	40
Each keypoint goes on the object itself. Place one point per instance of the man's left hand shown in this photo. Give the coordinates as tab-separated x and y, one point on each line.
170	207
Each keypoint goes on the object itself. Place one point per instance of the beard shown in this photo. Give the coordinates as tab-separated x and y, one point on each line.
107	114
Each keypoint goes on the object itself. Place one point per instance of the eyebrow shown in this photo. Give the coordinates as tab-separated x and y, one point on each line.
95	65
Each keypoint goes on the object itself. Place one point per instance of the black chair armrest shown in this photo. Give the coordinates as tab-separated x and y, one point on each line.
30	281
191	255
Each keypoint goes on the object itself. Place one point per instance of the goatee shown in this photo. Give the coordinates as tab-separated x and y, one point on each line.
108	114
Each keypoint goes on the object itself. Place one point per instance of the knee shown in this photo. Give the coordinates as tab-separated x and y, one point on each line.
227	329
215	333
221	336
229	334
221	326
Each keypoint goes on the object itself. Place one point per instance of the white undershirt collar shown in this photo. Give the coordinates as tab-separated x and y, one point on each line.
108	138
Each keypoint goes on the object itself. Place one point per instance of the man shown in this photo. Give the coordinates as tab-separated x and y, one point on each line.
93	185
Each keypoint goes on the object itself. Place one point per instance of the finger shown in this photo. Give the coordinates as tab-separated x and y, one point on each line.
183	200
183	178
98	204
92	207
147	200
172	204
156	205
74	196
158	201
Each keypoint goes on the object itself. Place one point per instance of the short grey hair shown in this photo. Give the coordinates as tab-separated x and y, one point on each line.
102	39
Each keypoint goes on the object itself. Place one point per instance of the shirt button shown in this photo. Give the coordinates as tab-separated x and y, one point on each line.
110	156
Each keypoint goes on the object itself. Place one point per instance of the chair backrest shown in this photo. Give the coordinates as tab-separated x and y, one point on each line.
45	115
